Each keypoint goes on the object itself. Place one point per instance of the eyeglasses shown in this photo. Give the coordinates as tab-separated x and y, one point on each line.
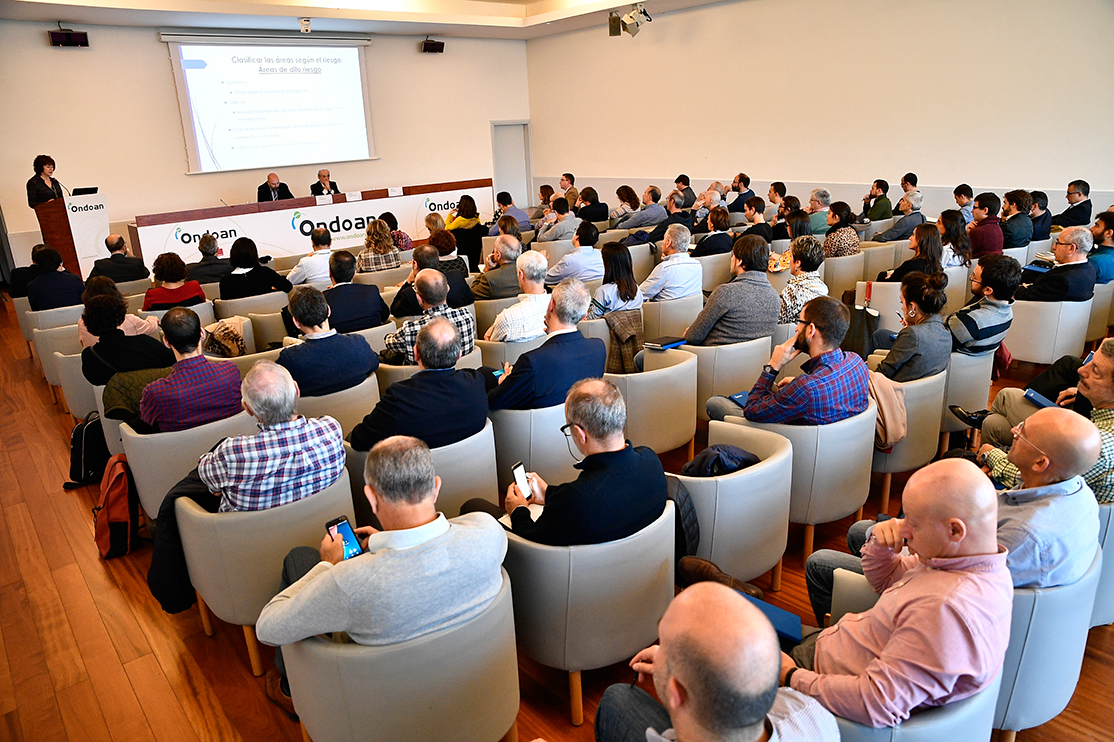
568	441
1017	434
975	280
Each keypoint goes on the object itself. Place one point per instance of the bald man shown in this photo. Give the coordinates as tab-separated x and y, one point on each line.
432	290
939	631
715	671
273	190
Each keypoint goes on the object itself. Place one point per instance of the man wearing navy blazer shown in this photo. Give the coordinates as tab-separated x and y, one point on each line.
355	306
322	183
543	377
439	405
273	190
1078	212
120	265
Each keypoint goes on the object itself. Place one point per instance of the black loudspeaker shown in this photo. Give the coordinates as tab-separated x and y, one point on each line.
614	25
433	47
68	38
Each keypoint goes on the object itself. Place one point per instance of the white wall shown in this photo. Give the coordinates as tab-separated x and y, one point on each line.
836	92
109	116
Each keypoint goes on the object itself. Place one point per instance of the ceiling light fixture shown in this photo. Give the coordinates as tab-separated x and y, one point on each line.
635	18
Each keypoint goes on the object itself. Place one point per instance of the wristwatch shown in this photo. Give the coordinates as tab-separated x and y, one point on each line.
768	369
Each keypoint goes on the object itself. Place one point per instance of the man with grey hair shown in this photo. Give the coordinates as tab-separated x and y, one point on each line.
542	377
650	214
910	206
621	488
678	274
439	404
432	290
677	215
325	361
818	202
705	202
290	458
418	573
210	269
526	319
1073	277
499	279
324	184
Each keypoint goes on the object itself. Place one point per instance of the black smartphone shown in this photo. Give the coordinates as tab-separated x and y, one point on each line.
342	528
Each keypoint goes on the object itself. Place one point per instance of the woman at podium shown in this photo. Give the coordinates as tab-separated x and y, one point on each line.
43	187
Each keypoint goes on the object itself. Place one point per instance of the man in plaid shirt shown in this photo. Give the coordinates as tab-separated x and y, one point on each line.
197	391
526	319
834	383
290	458
432	289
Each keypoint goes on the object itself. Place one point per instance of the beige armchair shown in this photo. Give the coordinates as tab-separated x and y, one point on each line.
533	437
583	607
744	516
244	363
554	250
388	374
62	340
471	697
386	278
1037	246
140	286
642	260
968	386
923	400
661	401
1098	321
22	308
726	369
1043	331
261	304
159	460
255	542
376	336
670	318
831	468
717	270
488	309
347	406
268	328
841	274
1103	612
204	311
76	389
878	257
110	427
495	354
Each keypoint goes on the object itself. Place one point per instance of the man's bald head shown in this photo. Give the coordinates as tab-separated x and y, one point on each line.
273	180
718	661
431	287
1055	444
951	510
437	345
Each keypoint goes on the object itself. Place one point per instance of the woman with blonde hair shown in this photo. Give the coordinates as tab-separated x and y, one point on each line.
379	253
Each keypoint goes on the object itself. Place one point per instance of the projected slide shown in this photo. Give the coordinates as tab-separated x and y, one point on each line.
268	106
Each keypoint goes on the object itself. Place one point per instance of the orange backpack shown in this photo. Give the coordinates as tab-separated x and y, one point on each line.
116	516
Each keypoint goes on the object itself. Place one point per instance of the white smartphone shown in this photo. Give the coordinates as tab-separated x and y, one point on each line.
521	480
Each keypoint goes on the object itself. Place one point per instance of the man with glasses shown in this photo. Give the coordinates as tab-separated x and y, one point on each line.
831	387
1078	212
621	488
1073	277
819	201
981	325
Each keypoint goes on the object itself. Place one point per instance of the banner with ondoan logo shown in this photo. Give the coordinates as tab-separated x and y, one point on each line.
88	216
287	231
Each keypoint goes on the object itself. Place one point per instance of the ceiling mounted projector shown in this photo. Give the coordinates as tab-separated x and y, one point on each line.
635	18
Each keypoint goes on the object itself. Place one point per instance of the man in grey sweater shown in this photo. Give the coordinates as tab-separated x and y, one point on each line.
744	308
421	573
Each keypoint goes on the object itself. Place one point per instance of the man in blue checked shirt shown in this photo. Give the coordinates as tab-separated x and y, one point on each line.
290	458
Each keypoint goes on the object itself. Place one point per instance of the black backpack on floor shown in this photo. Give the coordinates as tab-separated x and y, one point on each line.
88	453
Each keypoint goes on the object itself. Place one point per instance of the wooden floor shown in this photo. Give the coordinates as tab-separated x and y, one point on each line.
86	653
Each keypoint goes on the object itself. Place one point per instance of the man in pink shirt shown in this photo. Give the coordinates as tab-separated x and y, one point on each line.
940	629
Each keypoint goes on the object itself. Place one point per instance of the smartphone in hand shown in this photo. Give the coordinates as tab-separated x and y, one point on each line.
340	527
521	480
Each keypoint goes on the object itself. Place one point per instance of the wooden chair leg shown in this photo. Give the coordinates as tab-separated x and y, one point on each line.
690	451
810	534
858	515
512	733
305	734
775	579
1005	735
206	617
576	699
945	441
62	399
253	651
53	394
30	350
887	480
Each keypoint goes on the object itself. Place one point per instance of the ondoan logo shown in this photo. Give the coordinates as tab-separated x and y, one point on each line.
335	226
432	205
294	220
187	238
74	208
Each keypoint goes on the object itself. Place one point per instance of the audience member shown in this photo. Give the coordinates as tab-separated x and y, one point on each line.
651	213
565	225
719	240
795	222
325	362
526	319
198	390
465	216
841	238
380	252
114	351
876	204
981	325
121	266
910	206
173	289
1101	256
583	262
678	274
1040	215
818	204
909	182
740	185
964	199
589	208
705	202
628	203
956	245
1078	212
406	304
567	184
1017	227
715	669
1073	277
774	196
542	377
683	185
927	252
499	279
745	307
924	345
431	288
505	207
23	275
401	239
132	325
248	276
352	306
421	573
805	283
439	404
676	215
54	287
755	212
314	268
210	269
985	232
444	242
831	387
619	290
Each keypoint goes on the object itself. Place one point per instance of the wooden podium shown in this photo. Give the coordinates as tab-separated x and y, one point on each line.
54	223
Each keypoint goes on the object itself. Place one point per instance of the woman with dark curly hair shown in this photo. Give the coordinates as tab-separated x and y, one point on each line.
115	351
445	243
842	239
175	290
132	324
43	187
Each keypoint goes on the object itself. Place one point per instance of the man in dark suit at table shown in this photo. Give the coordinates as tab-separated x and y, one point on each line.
355	306
120	266
542	377
273	190
323	184
439	405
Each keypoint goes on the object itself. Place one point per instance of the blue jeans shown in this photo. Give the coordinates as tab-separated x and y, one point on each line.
720	407
625	712
821	565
